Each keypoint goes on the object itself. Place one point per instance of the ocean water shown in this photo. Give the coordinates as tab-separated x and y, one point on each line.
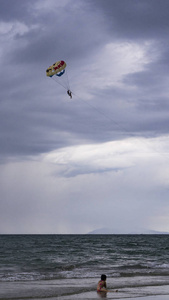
69	266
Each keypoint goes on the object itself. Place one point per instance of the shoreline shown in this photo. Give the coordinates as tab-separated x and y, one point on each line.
92	296
71	290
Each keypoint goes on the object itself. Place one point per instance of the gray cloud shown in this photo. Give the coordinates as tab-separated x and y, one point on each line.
15	10
117	64
136	19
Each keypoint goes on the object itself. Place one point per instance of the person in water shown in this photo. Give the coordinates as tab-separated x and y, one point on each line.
101	286
69	93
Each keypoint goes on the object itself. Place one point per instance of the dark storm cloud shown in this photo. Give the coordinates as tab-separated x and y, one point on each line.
145	19
33	120
54	33
15	10
30	125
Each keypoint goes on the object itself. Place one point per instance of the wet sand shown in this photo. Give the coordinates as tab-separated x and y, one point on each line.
94	296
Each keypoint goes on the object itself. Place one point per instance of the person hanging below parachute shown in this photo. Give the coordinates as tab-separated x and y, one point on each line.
58	69
69	93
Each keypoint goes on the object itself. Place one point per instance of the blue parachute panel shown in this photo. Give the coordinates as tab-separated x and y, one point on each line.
60	73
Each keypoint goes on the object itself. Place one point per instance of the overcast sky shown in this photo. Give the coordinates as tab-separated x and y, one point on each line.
100	159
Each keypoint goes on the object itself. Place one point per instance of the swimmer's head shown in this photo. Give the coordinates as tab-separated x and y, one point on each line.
103	277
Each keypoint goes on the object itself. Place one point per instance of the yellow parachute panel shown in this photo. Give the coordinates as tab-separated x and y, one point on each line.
56	68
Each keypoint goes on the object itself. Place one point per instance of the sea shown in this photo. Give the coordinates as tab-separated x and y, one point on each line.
66	267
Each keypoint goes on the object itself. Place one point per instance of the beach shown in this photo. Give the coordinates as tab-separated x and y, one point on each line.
46	290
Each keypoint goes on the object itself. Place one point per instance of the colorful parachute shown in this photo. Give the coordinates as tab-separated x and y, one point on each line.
57	68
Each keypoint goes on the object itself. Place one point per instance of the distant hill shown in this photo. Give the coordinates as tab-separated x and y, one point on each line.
112	231
102	231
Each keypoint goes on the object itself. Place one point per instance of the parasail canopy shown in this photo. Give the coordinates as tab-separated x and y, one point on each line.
58	68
